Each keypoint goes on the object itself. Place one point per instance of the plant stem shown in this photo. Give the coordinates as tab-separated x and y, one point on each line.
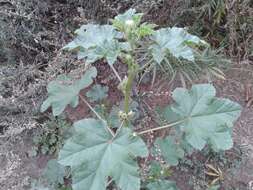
154	77
96	113
128	89
162	127
132	70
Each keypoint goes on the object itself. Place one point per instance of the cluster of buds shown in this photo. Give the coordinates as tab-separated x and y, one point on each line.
125	116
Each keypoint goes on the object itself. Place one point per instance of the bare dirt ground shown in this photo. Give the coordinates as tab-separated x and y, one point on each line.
238	87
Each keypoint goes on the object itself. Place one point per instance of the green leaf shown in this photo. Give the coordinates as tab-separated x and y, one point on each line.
214	187
120	21
170	150
158	171
95	42
94	155
145	30
97	93
90	35
113	118
162	185
109	50
175	41
63	91
130	14
54	172
205	118
155	169
37	186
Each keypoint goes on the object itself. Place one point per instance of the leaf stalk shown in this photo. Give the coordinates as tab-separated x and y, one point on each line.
161	127
96	113
115	72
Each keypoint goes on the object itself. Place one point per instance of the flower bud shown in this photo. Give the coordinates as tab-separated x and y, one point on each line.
135	134
130	114
129	23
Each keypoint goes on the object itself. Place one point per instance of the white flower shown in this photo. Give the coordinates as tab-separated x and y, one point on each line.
130	114
135	134
129	22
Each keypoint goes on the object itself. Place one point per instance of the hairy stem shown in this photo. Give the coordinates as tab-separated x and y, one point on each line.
132	69
128	89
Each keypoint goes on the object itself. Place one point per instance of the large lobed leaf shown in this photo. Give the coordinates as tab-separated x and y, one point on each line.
63	91
205	118
92	35
175	41
94	155
95	42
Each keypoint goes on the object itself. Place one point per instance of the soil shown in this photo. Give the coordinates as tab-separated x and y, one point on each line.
20	117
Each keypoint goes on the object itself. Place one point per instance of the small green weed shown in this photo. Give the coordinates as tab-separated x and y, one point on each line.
51	137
